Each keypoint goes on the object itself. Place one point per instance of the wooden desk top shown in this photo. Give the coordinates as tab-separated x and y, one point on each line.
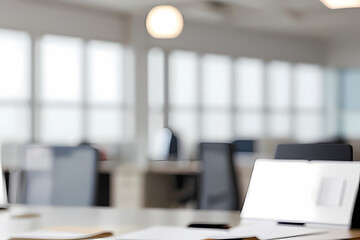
175	167
26	218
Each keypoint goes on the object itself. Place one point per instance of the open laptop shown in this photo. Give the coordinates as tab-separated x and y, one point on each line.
301	191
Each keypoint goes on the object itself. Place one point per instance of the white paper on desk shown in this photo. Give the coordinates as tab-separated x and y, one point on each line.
270	231
261	231
56	235
172	233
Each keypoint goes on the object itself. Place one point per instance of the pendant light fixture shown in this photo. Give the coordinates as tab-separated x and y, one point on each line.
336	4
164	22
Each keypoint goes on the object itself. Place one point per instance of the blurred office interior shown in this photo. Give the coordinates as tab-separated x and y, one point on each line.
87	72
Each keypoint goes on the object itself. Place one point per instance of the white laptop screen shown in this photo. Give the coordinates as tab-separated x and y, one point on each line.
303	191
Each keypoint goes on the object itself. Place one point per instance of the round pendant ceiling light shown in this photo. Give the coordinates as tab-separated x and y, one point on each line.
337	4
164	22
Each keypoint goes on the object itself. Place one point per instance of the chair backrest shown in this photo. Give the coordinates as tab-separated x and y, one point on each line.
3	193
65	176
334	152
218	185
243	146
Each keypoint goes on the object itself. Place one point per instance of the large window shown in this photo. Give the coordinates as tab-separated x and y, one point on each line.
61	89
249	80
221	98
15	88
75	92
309	102
279	99
350	107
216	98
156	91
105	92
184	97
82	90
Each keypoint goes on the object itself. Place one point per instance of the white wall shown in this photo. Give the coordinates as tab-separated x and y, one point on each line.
207	38
344	53
40	17
45	16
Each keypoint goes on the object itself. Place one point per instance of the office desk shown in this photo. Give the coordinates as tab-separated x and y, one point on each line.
118	220
161	178
175	167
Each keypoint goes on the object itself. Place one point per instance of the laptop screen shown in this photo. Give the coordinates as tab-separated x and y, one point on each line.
322	192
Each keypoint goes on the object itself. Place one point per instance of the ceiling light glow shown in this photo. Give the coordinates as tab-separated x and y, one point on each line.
336	4
164	22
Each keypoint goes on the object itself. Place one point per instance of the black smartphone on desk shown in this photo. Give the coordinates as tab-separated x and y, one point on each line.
209	225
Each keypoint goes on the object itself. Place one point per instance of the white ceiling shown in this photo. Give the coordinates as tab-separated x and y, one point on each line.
296	17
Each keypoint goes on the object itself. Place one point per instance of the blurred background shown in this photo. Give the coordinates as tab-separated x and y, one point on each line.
87	71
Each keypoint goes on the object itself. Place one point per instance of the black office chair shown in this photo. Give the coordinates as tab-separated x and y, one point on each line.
65	176
243	146
3	190
343	152
218	184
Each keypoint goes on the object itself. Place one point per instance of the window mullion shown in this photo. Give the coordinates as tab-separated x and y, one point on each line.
85	93
200	107
233	107
266	98
166	88
35	97
292	105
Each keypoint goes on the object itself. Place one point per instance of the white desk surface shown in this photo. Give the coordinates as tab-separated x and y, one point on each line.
26	218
